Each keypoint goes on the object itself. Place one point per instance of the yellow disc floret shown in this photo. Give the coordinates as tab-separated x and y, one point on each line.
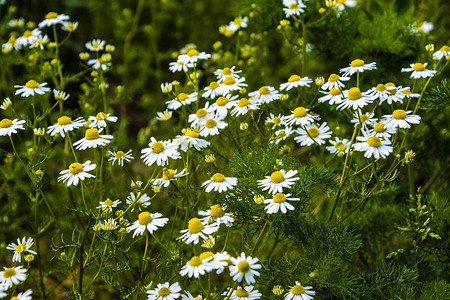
293	6
357	63
168	174
264	90
242	293
5	123
227	71
201	113
300	112
92	134
192	133
313	132
217	211
363	118
419	67
144	218
380	87
182	96
340	146
277	177
9	272
213	85
32	84
294	78
120	154
221	101
354	93
101	116
193	52
75	168
279	198
64	120
195	226
27	33
399	114
379	127
218	177
276	120
229	81
335	92
206	254
243	102
21	248
195	261
163	291
51	15
297	290
108	202
244	267
210	123
374	142
333	78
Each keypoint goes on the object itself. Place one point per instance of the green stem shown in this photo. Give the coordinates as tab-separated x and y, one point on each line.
143	265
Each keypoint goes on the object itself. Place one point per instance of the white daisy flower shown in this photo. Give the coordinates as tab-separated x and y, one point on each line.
299	116
164	116
444	51
378	92
313	134
211	91
406	91
109	225
65	124
6	103
180	100
69	26
166	87
295	8
278	180
400	118
76	172
394	94
21	247
216	214
165	292
357	65
31	87
381	131
192	56
99	121
334	97
93	139
339	146
23	296
8	127
334	81
279	202
10	45
282	134
242	106
276	120
60	95
142	202
355	99
244	267
265	94
211	126
40	42
222	105
179	66
191	139
99	63
237	23
373	146
197	229
243	293
365	119
12	276
168	176
108	205
299	292
201	115
53	18
230	84
226	72
159	152
120	156
28	38
148	221
418	71
95	45
221	260
295	81
219	183
342	4
196	267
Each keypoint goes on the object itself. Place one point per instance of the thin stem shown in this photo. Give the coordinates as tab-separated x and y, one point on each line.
143	265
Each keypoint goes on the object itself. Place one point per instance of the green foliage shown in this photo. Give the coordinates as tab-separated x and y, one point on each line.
438	98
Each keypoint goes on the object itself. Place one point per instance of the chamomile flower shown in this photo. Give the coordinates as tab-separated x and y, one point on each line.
77	172
339	146
6	103
237	23
243	293
418	71
141	200
244	267
179	66
164	115
242	106
109	225
355	99
40	42
148	221
444	51
222	105
53	18
381	131
278	180
22	246
23	296
93	139
99	120
188	296
357	65
211	126
95	45
60	95
196	267
230	84
108	205
216	214
373	146
313	134
120	156
378	92
159	152
168	176
334	81
211	91
181	99
408	94
299	292
219	183
12	276
299	116
165	292
282	134
201	115
295	8
295	81
279	202
31	88
69	26
191	139
265	94
28	38
192	56
365	119
65	124
276	120
220	261
226	72
197	229
401	119
10	45
394	94
102	62
335	96
342	4
8	127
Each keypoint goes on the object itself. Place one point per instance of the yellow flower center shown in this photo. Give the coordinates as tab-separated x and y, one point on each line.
95	46
92	134
242	293
64	120
169	174
335	92
340	146
380	87
277	177
264	90
9	272
14	298
379	127
218	177
206	254
276	120
195	226
363	118
444	48
244	267
27	34
227	71
163	291
390	87
192	133
12	40
222	101
193	52
157	147
210	123
32	84
201	113
108	202
120	154
293	6
419	67
51	15
357	63
182	96
21	248
279	198
75	168
101	116
108	226
333	78
299	112
217	211
237	22
294	78
407	92
399	114
313	132
374	142
243	102
5	123
198	298
297	290
213	85
195	261
144	218
354	94
229	81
